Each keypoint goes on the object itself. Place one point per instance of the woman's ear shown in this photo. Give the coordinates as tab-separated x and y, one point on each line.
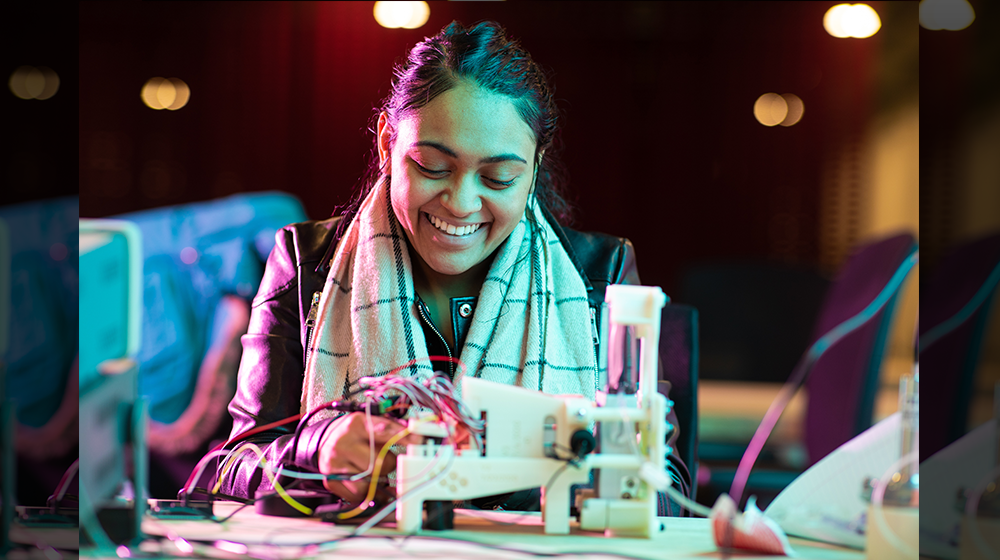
383	139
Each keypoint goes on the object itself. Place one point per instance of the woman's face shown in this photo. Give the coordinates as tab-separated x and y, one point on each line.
462	168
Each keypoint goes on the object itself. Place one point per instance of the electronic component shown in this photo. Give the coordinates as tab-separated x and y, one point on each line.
180	508
540	440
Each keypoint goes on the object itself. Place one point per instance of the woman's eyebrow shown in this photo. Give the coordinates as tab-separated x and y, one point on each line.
451	153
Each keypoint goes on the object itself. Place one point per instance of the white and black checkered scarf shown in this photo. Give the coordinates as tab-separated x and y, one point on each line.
531	327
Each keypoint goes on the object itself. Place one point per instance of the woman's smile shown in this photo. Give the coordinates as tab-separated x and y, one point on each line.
455	235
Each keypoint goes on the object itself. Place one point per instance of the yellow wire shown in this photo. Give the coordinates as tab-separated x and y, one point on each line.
304	509
270	476
230	459
375	474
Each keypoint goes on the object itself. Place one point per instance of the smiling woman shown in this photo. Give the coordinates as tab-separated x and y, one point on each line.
453	247
460	189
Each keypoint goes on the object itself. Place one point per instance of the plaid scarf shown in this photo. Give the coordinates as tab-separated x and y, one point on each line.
531	326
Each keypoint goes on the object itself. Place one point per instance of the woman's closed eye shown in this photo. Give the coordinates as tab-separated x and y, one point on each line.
435	172
499	182
438	173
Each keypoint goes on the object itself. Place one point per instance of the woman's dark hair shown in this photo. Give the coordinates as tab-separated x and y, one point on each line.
484	56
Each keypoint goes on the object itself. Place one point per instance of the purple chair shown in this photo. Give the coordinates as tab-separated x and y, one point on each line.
843	383
948	363
844	380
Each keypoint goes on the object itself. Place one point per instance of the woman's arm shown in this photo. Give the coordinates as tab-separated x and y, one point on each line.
269	383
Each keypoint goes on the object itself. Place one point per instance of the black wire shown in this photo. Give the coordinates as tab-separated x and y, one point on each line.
335	405
217	495
251	502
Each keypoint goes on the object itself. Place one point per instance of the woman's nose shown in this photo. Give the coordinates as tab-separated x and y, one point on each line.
461	198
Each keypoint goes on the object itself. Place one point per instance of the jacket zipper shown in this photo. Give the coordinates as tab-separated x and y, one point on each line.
424	312
310	323
595	334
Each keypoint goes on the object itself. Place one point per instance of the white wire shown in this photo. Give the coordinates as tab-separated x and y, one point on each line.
434	393
378	516
204	463
282	471
371	444
671	491
437	459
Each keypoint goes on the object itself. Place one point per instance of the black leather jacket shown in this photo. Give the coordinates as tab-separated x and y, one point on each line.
271	371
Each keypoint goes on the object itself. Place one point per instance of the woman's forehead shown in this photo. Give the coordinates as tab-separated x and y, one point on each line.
470	121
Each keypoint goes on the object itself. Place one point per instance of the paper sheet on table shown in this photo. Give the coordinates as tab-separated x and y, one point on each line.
825	503
963	464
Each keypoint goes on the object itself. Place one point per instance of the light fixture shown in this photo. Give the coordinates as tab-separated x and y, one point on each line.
851	20
408	15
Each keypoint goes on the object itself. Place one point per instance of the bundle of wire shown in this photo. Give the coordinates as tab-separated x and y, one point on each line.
434	394
426	398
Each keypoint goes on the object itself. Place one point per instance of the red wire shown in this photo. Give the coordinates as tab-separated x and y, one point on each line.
431	358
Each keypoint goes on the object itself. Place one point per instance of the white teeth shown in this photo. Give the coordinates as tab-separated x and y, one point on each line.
452	230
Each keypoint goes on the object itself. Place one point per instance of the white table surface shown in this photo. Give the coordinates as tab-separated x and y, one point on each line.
477	534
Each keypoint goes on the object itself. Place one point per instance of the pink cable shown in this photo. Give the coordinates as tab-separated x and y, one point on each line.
760	437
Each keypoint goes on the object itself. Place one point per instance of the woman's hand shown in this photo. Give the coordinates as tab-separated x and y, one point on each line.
345	450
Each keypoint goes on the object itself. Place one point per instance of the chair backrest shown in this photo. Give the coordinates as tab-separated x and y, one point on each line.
756	316
843	383
679	366
948	366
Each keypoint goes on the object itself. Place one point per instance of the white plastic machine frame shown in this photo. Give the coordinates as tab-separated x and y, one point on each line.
528	439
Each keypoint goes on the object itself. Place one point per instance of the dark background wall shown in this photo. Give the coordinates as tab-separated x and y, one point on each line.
38	139
659	134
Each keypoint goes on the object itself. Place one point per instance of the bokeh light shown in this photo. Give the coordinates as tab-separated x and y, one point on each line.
29	82
851	20
408	15
795	109
770	109
189	255
950	15
160	93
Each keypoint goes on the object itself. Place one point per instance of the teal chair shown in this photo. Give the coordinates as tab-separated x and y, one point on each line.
202	265
41	378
